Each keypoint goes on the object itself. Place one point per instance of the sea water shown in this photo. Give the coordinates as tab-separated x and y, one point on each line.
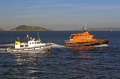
60	62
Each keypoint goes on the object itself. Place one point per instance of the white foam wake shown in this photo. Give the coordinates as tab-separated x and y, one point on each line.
2	50
57	45
6	44
102	45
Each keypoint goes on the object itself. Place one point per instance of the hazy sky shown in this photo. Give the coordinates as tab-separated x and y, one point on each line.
59	14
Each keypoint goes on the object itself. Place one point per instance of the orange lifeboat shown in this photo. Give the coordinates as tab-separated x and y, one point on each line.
84	39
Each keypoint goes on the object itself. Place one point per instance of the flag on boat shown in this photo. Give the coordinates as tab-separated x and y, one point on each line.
26	37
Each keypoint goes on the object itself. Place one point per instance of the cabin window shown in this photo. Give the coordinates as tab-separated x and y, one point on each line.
26	45
73	36
32	42
87	37
21	45
38	42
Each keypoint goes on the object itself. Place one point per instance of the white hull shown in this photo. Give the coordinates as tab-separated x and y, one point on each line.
30	45
39	48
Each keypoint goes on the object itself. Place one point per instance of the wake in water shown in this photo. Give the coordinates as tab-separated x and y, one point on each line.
2	50
54	45
62	46
102	45
1	45
57	45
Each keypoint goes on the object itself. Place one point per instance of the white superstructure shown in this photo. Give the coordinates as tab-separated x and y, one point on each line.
31	44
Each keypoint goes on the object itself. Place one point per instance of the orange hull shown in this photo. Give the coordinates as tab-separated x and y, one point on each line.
84	39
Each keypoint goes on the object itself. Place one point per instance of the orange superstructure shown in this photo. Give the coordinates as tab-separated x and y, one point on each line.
84	39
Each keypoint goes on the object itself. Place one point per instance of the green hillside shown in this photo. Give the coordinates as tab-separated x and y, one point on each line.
29	28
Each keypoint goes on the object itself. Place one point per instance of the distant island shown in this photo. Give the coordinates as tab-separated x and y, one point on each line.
38	28
1	29
30	28
105	29
102	29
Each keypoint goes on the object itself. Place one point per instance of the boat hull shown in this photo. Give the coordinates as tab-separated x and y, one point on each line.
45	47
76	44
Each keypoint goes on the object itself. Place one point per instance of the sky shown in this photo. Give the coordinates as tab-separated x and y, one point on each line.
59	14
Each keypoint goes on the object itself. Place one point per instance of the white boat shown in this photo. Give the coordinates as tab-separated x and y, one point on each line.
31	44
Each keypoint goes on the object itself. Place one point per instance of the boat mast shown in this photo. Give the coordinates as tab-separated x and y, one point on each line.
38	36
27	36
18	38
85	27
